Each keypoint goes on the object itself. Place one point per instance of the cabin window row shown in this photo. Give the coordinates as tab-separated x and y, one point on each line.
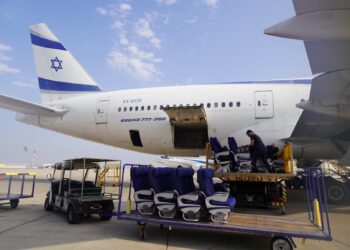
161	107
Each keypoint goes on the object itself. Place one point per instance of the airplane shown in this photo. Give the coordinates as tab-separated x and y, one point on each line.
312	113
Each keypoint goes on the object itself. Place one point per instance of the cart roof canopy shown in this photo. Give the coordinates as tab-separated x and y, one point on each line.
82	163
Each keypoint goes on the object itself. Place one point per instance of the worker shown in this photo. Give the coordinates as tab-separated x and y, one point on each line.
257	150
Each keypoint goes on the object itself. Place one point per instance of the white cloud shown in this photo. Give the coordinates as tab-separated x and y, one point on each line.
132	37
102	11
143	29
211	3
117	25
192	20
4	68
4	47
5	58
125	7
142	69
23	84
166	2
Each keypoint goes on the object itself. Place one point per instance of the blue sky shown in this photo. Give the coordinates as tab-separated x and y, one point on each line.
136	44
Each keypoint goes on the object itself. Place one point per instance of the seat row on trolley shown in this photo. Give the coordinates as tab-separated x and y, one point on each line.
168	190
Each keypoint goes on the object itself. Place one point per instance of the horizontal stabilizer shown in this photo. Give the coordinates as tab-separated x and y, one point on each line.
25	107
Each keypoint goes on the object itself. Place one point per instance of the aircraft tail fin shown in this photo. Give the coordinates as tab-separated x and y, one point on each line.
59	73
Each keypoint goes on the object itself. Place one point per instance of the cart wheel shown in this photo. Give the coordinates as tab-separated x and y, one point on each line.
106	215
14	203
281	243
72	217
47	205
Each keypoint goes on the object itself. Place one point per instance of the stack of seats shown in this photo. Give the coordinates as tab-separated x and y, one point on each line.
143	195
217	199
222	155
189	199
161	180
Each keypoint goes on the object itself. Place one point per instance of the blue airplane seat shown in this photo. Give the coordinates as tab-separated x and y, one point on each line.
219	203
189	199
161	180
143	194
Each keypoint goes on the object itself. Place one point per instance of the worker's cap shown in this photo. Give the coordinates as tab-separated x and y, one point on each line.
248	131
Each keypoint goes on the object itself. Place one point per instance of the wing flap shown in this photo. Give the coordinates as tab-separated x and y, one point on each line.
25	107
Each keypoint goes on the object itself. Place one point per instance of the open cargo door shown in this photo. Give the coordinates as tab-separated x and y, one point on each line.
189	126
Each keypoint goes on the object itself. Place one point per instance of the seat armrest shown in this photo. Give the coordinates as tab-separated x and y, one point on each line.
219	187
144	192
218	197
190	196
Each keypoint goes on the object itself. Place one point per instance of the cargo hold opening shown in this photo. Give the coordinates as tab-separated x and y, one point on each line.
189	127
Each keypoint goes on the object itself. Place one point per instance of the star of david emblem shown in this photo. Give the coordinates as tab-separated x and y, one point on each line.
56	64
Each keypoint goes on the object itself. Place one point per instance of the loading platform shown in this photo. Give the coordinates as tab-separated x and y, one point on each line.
281	229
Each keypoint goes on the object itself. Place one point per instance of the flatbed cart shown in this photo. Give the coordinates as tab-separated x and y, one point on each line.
281	229
13	188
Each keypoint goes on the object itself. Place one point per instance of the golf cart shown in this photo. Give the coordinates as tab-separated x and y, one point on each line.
72	191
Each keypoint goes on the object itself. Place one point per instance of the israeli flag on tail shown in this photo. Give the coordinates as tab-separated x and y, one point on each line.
59	73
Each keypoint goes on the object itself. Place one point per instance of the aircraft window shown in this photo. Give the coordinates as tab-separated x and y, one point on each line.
230	104
174	106
142	108
154	107
136	108
167	106
216	105
119	109
195	104
238	104
187	105
302	100
148	107
125	108
202	105
161	107
259	103
181	105
130	109
208	105
223	104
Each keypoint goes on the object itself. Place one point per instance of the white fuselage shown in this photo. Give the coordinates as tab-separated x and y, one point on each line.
108	117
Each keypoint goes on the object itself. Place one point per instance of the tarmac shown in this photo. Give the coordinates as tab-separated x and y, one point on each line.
30	227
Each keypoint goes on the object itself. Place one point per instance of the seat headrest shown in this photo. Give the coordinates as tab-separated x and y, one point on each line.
140	171
184	172
158	172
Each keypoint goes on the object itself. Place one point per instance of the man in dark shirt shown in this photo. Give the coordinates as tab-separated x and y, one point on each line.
257	150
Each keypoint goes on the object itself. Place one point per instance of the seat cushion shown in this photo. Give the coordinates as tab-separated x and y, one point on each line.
231	202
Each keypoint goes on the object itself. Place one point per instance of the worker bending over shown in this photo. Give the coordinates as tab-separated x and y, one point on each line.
257	150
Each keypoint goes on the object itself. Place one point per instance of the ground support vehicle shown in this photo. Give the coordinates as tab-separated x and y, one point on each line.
79	198
281	229
13	187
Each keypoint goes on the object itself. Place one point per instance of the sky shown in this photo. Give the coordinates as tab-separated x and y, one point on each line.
138	44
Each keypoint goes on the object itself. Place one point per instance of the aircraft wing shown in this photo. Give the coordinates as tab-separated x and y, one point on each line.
323	25
25	107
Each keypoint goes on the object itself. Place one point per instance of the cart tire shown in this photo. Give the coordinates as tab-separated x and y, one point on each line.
337	192
14	203
281	243
47	205
104	217
72	217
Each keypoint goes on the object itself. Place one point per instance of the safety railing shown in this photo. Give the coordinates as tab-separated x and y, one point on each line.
317	199
16	185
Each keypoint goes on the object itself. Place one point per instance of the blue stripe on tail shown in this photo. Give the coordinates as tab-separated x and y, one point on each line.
46	84
46	43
